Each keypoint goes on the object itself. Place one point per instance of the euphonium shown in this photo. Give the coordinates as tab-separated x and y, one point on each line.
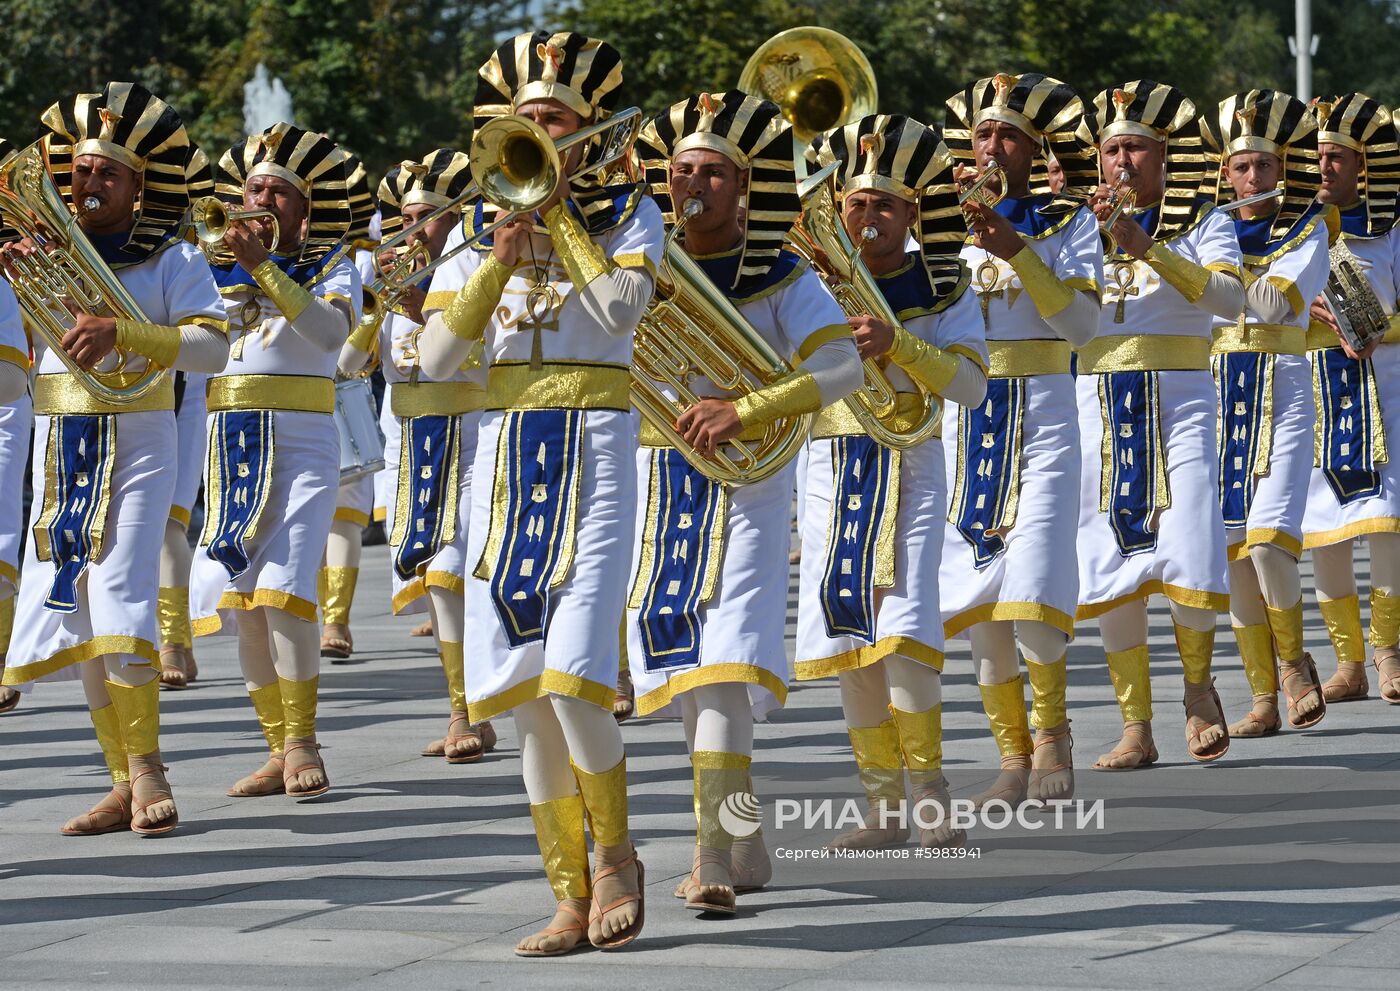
820	237
210	218
691	329
1122	198
67	272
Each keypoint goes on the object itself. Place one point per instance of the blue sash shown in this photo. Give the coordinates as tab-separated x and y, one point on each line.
531	544
1133	480
860	534
425	515
1350	437
988	481
1245	380
239	476
77	495
683	546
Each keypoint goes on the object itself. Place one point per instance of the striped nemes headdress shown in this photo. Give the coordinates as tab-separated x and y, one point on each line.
6	150
438	179
898	155
318	169
1360	123
1161	113
362	207
754	135
1265	120
1046	110
128	124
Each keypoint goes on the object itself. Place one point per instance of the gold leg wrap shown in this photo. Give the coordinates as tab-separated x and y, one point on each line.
1047	693
336	587
173	616
921	743
1287	627
717	776
1195	648
876	750
622	644
1385	619
605	801
563	847
451	655
1256	646
138	715
1005	706
109	737
7	624
1132	682
1343	619
299	706
267	703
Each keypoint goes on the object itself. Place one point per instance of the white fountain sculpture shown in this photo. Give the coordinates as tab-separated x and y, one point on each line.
265	101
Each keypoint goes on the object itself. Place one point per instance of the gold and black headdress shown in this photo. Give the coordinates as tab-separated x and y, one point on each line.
128	124
1265	120
1161	113
362	207
438	179
6	150
1358	122
1046	110
751	133
315	166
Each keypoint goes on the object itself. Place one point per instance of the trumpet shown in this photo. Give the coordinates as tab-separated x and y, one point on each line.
1122	198
210	218
981	191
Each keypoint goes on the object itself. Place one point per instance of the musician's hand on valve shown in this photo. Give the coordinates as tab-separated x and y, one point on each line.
412	303
90	339
992	232
244	241
708	424
512	240
873	337
1128	233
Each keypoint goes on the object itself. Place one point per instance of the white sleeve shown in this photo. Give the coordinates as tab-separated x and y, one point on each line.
13	382
836	368
617	300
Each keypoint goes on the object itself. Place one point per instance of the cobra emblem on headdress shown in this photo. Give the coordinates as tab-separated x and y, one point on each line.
1122	99
1004	84
110	119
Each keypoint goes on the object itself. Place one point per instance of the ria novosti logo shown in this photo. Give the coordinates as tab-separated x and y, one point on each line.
740	814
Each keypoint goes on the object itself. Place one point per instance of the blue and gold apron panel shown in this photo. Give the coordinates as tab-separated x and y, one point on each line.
77	497
860	534
1349	438
1133	476
237	480
1244	439
425	512
987	485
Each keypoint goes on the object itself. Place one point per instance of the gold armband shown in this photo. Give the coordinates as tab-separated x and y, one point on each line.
470	310
362	338
791	395
925	363
160	344
583	260
1185	276
1047	292
284	292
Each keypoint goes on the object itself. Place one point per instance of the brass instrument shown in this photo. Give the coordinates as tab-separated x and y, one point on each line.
1122	198
210	219
981	191
691	329
1234	205
1360	317
820	237
516	167
67	271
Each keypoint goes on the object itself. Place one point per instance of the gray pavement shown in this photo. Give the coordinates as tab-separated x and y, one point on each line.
1278	866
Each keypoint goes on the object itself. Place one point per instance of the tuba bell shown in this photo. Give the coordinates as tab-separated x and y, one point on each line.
1360	316
68	271
691	329
820	237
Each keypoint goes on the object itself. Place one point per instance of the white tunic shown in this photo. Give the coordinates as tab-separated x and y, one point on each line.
578	655
1035	575
742	625
354	501
1187	562
284	556
193	433
116	612
16	419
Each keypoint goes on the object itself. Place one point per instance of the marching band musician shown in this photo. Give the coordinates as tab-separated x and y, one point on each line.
104	480
706	612
1354	489
883	633
1147	410
1008	573
16	419
552	300
1262	140
273	468
436	426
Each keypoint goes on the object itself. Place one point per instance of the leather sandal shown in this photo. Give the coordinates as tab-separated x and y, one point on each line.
290	770
1387	663
1262	719
457	747
1056	760
336	642
173	674
1347	684
625	700
141	767
111	815
438	748
749	867
715	904
599	910
1136	742
1298	680
1197	722
571	907
9	698
270	779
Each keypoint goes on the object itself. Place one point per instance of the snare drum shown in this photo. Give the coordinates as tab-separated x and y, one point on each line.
361	446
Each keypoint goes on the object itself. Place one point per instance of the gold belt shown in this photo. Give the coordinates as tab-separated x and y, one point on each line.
1022	359
435	398
558	385
1144	353
288	393
1268	338
837	420
60	394
1321	337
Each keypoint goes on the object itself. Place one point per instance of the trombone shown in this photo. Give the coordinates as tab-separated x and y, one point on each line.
210	219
